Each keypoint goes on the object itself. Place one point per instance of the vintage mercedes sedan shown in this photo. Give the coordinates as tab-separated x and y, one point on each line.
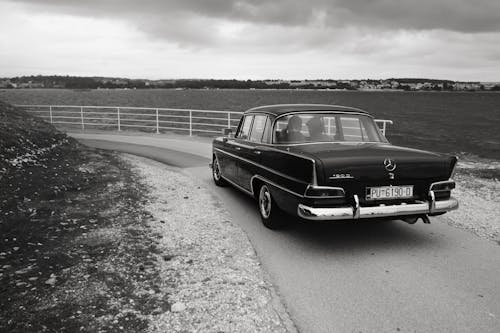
328	162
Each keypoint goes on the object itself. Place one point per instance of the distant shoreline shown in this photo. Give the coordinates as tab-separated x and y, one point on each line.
257	89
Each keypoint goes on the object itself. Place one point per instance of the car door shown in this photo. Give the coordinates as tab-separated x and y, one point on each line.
230	159
249	163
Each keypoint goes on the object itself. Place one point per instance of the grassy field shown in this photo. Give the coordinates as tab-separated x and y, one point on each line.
447	122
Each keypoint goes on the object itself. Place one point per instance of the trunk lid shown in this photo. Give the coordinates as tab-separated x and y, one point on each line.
364	162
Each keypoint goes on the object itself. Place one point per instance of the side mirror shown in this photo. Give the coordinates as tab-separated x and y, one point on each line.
227	132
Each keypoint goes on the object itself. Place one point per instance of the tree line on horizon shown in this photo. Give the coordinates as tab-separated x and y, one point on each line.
77	82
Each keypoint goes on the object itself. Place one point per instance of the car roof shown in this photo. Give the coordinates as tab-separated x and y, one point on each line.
279	109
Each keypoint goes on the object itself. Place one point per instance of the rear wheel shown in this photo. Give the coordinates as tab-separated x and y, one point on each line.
270	213
216	174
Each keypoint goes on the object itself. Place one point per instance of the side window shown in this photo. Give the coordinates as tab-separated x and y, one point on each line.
245	128
267	131
259	124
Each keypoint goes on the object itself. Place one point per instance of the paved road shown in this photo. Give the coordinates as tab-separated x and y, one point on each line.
359	277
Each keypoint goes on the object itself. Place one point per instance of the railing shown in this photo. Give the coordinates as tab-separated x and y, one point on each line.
152	119
144	118
384	123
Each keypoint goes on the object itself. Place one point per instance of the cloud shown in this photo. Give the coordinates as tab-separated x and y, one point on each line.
193	21
274	38
453	15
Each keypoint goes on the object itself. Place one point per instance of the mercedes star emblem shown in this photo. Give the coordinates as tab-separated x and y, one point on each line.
389	164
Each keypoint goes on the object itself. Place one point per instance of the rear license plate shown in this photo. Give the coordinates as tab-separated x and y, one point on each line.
389	192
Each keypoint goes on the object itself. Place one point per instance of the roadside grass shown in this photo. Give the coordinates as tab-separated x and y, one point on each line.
75	250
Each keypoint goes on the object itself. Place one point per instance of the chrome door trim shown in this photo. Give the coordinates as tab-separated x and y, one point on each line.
238	186
263	167
267	181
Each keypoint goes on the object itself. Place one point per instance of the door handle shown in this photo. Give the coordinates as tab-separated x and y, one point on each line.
238	148
258	152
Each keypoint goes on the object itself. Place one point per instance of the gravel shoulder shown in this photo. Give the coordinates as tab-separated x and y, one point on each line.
210	272
478	192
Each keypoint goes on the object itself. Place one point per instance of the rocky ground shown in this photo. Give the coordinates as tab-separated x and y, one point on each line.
211	274
89	245
478	192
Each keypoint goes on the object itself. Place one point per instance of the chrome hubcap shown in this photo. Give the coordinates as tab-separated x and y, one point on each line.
216	171
265	202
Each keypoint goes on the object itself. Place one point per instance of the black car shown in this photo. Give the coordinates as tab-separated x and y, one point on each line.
328	162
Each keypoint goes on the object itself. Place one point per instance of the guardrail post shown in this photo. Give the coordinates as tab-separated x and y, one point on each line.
50	113
81	116
157	123
118	118
190	123
229	120
384	122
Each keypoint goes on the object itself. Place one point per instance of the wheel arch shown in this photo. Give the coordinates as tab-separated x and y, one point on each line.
255	185
283	199
218	179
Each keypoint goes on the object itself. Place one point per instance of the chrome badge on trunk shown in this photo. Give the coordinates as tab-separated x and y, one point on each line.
341	176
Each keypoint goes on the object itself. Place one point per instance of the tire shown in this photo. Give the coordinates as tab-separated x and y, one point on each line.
271	215
216	174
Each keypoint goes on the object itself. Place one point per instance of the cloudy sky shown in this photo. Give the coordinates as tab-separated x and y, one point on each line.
252	39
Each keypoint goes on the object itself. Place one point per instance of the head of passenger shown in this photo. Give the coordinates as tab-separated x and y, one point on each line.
315	126
295	124
293	129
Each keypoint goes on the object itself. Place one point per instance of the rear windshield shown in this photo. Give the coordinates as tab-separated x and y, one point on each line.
326	127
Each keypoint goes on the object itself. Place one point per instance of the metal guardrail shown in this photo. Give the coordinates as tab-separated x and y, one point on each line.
384	123
155	119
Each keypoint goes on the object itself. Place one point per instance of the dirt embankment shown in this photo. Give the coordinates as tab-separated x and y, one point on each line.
75	253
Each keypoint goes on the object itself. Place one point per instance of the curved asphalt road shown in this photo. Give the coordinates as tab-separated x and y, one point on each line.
355	277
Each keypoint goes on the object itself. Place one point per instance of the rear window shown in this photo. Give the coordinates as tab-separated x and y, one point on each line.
326	127
353	129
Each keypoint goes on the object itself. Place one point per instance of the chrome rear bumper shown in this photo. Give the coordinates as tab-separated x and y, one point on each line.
357	212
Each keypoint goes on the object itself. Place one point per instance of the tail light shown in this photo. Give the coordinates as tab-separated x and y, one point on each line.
324	192
454	163
445	186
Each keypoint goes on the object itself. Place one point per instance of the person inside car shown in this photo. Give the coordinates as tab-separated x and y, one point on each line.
316	127
293	128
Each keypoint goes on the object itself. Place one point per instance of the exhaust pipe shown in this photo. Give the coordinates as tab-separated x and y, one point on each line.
414	219
411	220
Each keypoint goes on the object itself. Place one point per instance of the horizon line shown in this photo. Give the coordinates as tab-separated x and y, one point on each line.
236	79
